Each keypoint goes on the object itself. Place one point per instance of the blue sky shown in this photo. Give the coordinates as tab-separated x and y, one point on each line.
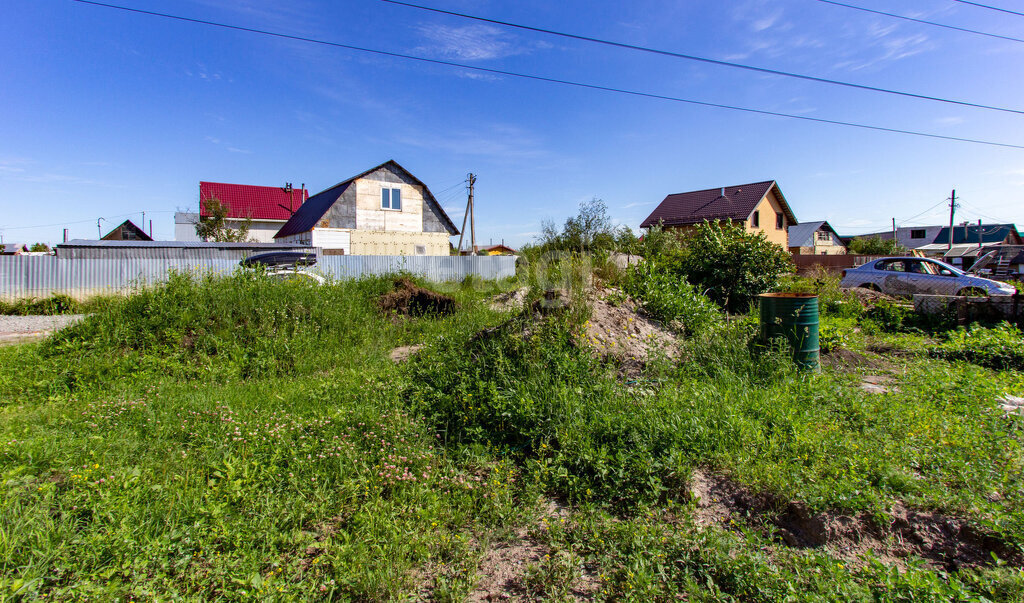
108	113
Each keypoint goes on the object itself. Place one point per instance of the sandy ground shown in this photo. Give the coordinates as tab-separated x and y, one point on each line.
18	329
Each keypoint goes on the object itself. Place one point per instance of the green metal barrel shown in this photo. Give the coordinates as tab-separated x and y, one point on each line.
793	316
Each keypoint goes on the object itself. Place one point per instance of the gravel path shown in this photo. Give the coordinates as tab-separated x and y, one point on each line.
21	328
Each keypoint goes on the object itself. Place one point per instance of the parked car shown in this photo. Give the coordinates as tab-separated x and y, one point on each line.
906	276
285	265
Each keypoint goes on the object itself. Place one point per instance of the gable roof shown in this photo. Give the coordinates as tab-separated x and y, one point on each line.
709	204
248	201
118	233
310	213
802	235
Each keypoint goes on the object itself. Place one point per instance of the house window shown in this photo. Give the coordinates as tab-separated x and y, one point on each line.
822	236
780	221
917	233
391	198
756	220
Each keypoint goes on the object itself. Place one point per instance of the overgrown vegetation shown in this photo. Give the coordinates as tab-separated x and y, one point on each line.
55	304
724	261
875	246
241	438
1000	347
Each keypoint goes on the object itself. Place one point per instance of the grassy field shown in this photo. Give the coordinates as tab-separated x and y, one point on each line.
243	439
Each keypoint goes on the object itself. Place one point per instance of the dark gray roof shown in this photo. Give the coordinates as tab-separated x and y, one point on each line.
312	210
723	203
802	235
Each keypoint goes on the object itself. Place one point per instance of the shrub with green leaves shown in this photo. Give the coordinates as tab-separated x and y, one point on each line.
1001	347
665	295
833	299
732	266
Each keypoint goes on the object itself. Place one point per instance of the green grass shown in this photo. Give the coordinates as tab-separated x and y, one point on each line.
243	439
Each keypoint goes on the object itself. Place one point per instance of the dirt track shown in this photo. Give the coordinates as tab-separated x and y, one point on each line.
18	329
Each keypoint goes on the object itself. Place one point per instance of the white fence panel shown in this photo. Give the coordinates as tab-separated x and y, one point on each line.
41	276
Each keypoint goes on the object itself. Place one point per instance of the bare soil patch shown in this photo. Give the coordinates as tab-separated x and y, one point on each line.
510	300
409	299
504	565
619	331
941	540
405	352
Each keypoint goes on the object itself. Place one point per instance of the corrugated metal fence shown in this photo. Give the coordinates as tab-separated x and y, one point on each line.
41	276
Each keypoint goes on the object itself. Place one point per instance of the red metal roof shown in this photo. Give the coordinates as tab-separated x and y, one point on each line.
256	202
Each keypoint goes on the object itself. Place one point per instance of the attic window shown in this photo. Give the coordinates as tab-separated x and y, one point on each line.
917	233
391	198
756	220
780	221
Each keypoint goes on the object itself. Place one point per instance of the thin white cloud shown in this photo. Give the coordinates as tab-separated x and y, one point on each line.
469	43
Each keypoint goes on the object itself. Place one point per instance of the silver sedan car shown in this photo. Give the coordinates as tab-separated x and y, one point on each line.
906	276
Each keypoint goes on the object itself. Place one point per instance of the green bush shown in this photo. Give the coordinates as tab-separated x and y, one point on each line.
56	304
665	295
730	264
833	299
1000	348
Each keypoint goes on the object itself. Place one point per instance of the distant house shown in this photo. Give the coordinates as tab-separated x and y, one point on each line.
815	238
968	239
501	249
13	248
759	207
127	231
267	208
382	211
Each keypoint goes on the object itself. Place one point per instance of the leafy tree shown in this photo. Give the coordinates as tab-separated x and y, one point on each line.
731	265
213	226
590	230
40	247
875	246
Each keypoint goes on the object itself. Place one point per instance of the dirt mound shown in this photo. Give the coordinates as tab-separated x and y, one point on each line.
409	299
619	331
509	300
843	359
868	297
942	540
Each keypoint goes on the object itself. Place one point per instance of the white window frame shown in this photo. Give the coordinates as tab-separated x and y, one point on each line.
391	189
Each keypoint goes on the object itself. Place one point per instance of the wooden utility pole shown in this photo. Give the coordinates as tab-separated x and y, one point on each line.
471	179
472	217
952	210
894	233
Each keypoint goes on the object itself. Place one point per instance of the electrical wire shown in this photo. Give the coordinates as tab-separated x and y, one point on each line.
555	80
984	215
996	8
106	218
922	21
690	57
900	222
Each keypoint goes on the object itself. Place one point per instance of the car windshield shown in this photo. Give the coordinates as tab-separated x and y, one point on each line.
936	267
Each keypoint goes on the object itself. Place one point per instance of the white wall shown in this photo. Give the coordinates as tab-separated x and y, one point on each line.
333	238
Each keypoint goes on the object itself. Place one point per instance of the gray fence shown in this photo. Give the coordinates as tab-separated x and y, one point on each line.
41	276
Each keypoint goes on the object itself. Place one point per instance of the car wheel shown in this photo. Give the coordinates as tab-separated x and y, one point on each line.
870	286
972	292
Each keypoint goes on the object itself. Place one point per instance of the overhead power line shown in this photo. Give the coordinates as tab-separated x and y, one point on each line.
552	80
922	21
710	61
996	8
